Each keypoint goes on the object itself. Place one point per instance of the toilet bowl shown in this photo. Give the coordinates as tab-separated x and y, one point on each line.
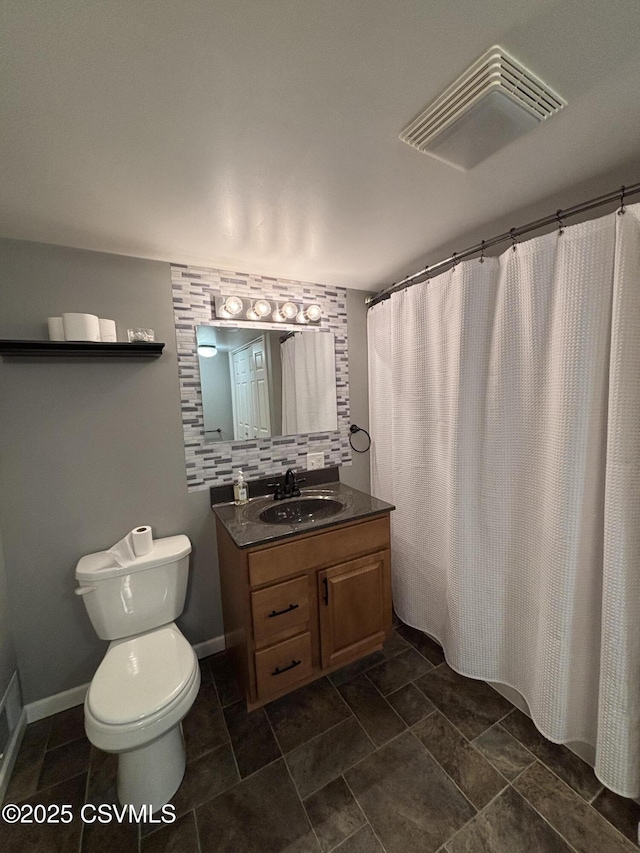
149	676
141	692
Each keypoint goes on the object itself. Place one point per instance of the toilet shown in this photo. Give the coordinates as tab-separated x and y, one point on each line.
149	676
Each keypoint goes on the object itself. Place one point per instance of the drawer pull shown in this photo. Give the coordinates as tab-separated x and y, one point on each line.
278	671
326	591
286	610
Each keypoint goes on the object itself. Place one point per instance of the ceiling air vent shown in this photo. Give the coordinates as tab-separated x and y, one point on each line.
496	100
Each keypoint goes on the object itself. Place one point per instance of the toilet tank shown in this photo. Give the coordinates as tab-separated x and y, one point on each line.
146	594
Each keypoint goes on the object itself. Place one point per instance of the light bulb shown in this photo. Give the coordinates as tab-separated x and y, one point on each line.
302	318
233	304
261	307
251	314
289	310
207	350
313	312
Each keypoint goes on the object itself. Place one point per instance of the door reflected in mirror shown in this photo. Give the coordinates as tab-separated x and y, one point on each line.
262	383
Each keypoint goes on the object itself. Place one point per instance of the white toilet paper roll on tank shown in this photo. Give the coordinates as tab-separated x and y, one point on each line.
142	540
81	327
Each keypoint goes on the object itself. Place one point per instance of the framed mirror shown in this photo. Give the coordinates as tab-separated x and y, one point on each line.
261	383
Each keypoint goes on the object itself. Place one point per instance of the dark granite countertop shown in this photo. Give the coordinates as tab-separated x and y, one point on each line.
247	530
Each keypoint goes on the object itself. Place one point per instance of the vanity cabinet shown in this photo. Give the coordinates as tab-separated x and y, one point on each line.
301	607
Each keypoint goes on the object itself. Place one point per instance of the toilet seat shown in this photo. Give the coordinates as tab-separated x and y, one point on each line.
140	676
144	685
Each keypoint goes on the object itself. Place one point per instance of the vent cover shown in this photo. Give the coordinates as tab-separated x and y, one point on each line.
496	100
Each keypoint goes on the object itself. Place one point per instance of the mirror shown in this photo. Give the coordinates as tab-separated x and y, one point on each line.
261	383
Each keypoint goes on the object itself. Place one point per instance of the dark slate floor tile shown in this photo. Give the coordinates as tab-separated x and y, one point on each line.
106	837
63	762
305	713
260	815
178	837
475	777
48	837
353	670
66	727
394	645
579	824
364	841
251	738
26	771
206	676
225	678
624	814
103	774
398	671
411	803
320	760
427	647
334	814
506	753
205	777
508	825
204	727
411	704
376	716
471	705
564	763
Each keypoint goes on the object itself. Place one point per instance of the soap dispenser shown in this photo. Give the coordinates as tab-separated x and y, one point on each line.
240	491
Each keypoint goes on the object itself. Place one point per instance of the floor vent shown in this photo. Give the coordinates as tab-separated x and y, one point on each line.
496	100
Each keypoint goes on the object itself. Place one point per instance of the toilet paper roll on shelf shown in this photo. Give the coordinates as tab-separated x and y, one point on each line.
108	330
135	544
81	327
56	328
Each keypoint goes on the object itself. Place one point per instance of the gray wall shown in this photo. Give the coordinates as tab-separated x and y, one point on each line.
88	449
357	474
7	653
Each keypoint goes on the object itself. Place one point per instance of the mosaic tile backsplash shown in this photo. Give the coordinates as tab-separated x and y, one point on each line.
216	464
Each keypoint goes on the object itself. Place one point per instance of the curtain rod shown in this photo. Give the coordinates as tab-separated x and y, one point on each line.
558	217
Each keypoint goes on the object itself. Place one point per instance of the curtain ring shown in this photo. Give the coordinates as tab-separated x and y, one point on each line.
513	237
454	258
482	252
622	210
353	429
560	223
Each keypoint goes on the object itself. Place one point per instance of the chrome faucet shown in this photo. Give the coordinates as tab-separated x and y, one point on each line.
290	488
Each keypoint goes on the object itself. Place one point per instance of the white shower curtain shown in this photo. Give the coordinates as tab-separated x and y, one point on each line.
308	383
505	418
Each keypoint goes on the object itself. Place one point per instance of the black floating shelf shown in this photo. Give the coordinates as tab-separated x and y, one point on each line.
81	349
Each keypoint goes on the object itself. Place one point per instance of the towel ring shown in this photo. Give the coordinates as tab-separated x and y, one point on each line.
353	429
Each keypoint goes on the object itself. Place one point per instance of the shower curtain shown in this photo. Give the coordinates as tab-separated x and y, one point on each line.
505	418
308	383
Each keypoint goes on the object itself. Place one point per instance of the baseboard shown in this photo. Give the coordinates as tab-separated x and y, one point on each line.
11	754
70	698
210	647
51	705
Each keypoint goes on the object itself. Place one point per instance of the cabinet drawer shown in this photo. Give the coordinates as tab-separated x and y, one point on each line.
319	549
282	665
279	608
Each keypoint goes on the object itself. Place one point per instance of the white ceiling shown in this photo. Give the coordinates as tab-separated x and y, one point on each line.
262	135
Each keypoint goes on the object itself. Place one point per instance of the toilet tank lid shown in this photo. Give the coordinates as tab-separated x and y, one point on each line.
101	565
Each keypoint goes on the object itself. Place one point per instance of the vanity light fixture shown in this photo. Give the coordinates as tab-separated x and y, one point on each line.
207	350
262	308
239	309
233	305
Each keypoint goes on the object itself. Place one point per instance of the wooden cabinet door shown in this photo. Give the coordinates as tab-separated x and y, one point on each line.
355	606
